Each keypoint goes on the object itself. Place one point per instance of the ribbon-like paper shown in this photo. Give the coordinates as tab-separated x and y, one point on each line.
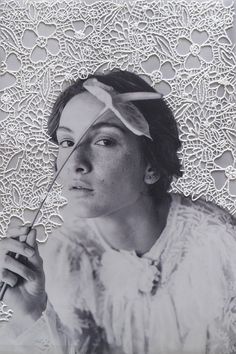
121	106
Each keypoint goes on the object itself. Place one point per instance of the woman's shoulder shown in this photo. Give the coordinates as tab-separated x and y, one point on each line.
202	211
206	240
201	225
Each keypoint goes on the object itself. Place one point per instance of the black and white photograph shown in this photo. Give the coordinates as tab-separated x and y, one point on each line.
117	177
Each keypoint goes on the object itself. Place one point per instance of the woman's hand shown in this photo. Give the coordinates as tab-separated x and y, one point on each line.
26	294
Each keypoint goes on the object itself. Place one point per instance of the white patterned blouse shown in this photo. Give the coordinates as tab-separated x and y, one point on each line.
180	297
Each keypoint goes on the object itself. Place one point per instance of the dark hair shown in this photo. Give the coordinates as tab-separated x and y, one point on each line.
162	151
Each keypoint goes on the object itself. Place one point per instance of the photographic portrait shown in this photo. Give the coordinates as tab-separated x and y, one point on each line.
118	177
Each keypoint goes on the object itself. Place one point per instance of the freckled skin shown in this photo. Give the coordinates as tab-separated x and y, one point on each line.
115	172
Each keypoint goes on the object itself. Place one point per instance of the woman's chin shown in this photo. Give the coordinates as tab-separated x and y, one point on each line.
90	205
81	209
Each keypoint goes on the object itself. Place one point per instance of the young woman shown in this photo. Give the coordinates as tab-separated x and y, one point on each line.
134	269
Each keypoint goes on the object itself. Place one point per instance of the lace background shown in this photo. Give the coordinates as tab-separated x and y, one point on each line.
182	48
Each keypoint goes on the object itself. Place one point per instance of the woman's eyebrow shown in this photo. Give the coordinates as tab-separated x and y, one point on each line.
95	127
64	128
108	125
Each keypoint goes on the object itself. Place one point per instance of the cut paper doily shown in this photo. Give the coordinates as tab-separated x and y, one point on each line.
5	312
182	48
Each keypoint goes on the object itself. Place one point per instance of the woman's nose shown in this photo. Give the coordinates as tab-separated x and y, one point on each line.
80	160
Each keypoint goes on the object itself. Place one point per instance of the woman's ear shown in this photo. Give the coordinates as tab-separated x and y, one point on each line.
151	176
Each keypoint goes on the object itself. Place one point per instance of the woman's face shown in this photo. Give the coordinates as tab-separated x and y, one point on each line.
106	171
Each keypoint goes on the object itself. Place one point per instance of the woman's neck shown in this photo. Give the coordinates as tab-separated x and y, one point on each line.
136	227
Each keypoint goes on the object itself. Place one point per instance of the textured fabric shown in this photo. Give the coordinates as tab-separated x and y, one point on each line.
104	300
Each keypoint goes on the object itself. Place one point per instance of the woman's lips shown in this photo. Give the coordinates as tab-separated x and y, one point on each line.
80	189
78	185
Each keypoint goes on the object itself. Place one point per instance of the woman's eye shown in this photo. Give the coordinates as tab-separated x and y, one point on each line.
66	143
105	142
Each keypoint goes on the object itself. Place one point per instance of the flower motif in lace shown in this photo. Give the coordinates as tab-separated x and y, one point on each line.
182	50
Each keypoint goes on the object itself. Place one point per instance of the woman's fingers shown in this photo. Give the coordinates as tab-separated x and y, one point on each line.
13	265
9	277
35	260
10	267
8	244
18	231
31	238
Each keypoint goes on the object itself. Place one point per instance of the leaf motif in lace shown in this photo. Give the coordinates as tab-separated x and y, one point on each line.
45	45
5	312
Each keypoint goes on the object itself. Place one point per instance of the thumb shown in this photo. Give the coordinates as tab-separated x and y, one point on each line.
31	238
31	241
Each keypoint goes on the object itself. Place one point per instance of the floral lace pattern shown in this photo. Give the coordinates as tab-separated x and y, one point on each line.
181	48
45	45
5	313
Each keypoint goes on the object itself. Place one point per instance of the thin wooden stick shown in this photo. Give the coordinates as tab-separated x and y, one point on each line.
5	285
128	96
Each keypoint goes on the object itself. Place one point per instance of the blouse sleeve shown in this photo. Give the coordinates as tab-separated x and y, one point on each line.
49	335
222	334
46	335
